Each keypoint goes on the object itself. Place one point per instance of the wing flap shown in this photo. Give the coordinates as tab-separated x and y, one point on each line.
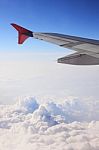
79	59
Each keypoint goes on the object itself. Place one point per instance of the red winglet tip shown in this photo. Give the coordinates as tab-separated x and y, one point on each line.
23	33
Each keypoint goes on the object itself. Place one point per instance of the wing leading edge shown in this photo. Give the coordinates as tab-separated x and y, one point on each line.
87	49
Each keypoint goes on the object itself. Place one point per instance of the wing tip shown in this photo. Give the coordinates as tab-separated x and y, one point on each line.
23	33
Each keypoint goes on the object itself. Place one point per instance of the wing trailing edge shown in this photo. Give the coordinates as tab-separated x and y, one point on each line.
79	59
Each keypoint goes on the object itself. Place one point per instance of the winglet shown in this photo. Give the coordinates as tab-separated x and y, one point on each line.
23	33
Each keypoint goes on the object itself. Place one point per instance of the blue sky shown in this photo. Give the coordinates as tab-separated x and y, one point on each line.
31	69
63	16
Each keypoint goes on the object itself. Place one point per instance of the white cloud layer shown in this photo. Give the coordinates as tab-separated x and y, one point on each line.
72	125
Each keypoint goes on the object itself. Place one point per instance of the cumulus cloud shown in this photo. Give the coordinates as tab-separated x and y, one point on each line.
29	104
65	126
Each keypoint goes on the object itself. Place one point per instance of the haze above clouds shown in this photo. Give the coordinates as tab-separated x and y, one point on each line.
38	74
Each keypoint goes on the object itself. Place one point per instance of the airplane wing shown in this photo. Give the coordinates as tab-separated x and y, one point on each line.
87	50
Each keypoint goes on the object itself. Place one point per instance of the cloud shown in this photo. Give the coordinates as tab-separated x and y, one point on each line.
28	103
65	126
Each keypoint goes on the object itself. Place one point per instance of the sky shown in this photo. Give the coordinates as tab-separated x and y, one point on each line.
67	16
31	69
43	104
